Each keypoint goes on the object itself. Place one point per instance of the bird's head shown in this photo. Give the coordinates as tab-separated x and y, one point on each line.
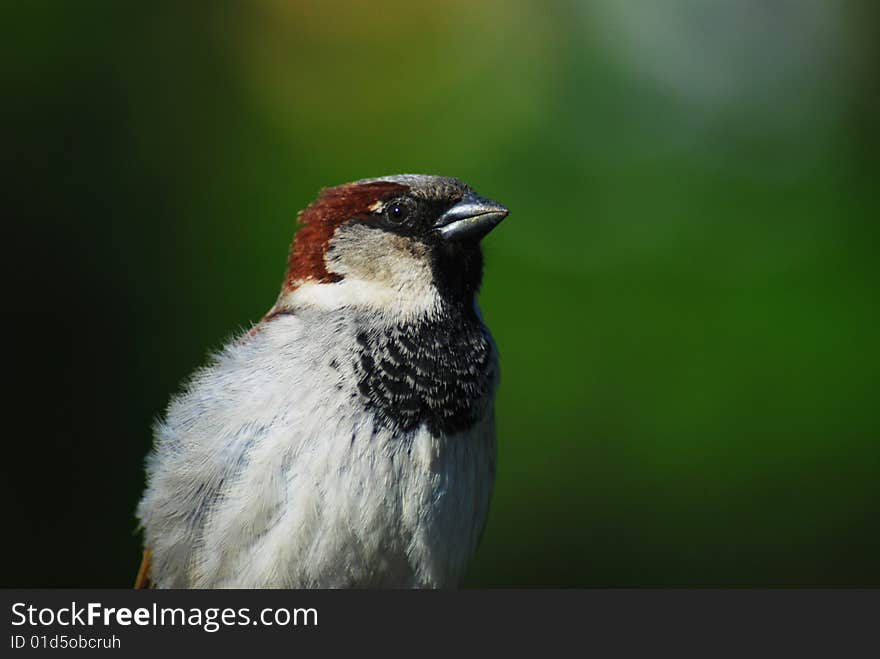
401	244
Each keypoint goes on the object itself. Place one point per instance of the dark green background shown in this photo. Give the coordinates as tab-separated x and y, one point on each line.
684	294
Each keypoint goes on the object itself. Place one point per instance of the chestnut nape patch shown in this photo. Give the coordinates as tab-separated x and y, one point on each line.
333	207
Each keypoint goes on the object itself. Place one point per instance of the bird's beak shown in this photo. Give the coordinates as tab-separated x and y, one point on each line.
470	219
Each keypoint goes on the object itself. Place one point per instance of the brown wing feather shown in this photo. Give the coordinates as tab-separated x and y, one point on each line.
143	576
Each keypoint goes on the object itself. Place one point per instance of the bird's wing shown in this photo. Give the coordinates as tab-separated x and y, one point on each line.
143	576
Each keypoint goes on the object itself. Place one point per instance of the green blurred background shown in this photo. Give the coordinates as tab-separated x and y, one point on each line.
684	294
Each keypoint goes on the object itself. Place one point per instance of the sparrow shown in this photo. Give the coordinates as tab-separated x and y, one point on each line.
347	440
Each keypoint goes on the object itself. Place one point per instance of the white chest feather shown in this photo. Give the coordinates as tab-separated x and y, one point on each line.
270	471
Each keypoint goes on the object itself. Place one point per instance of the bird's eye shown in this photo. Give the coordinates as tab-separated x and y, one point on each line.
397	213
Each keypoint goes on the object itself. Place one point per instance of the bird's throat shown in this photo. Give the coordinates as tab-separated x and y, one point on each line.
437	371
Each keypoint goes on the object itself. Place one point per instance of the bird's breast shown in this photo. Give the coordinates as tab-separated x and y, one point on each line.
438	373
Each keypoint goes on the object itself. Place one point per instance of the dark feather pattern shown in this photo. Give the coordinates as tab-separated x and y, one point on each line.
438	371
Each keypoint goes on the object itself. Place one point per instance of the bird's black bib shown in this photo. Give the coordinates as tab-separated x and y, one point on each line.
436	371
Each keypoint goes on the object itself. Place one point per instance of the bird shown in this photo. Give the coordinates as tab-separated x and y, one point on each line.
347	439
